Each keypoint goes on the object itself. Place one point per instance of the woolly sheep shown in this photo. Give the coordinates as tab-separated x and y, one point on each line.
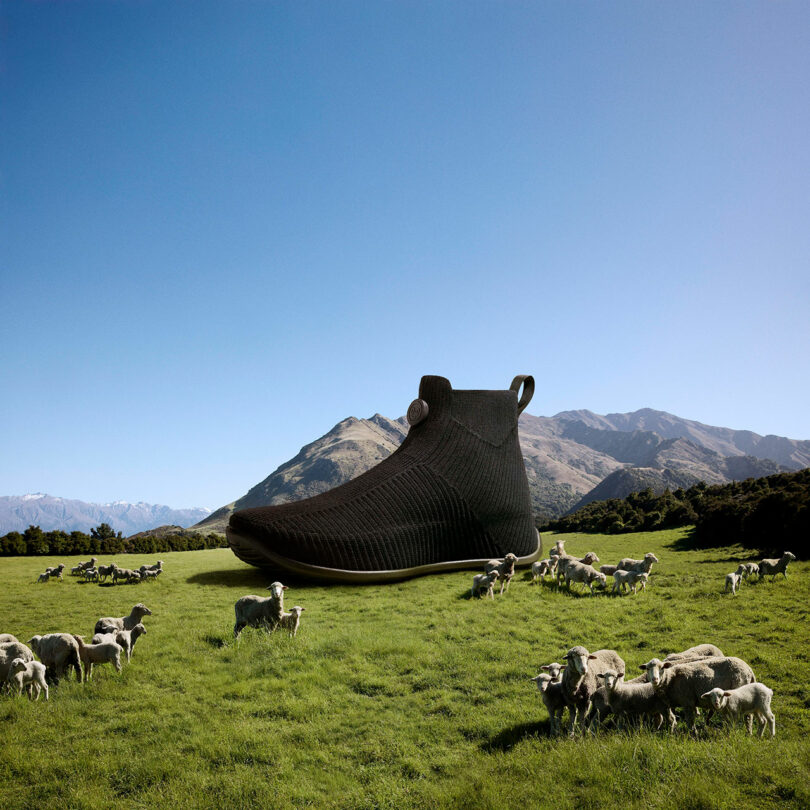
579	679
151	573
732	582
5	638
105	571
125	573
257	611
125	638
77	569
8	652
106	652
56	571
58	651
125	622
698	651
552	694
158	566
554	670
91	574
634	698
629	579
505	569
589	559
484	584
30	674
750	699
642	566
44	577
608	570
751	569
290	621
83	566
579	572
774	567
684	684
558	549
543	567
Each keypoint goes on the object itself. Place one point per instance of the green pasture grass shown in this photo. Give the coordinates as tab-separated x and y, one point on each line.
407	695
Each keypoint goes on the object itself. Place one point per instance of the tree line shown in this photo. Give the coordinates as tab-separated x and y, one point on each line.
102	540
771	514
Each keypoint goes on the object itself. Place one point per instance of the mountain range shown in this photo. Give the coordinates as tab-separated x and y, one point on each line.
571	458
18	512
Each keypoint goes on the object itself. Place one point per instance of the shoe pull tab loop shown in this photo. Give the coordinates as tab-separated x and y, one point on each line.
527	381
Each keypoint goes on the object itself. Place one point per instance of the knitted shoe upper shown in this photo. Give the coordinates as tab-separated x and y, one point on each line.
455	489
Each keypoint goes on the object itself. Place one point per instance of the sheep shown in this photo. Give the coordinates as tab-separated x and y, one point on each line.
732	583
579	572
698	651
8	652
741	572
5	638
257	611
600	707
543	567
608	570
106	652
150	573
624	579
484	583
634	698
83	566
56	571
91	575
58	651
105	571
629	564
30	674
505	569
774	567
552	693
125	638
125	622
750	699
44	577
554	670
158	566
751	569
579	679
589	559
684	684
558	549
77	569
290	621
124	573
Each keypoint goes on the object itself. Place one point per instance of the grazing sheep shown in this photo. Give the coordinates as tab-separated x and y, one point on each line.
608	570
579	680
56	571
8	652
30	674
505	569
642	566
257	611
683	685
44	577
750	699
290	621
552	693
543	567
732	582
629	579
580	572
125	638
774	567
125	622
106	652
484	583
59	652
751	569
698	651
634	699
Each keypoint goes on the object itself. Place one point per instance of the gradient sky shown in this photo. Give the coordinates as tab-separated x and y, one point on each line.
225	226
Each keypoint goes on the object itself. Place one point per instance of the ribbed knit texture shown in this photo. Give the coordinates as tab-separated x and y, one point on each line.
455	489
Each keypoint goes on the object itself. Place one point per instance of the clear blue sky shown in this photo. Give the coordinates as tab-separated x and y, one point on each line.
225	226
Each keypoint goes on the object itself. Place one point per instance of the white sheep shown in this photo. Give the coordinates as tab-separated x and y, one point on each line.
77	569
698	651
484	583
558	549
5	638
552	693
752	569
125	638
580	572
290	621
543	567
106	652
124	622
91	574
629	579
579	680
774	567
151	573
555	670
257	611
629	564
629	699
608	570
732	582
30	674
56	571
8	652
750	699
43	577
158	566
105	571
505	569
58	651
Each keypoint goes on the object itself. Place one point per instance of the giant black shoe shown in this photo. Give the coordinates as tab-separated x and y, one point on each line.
452	496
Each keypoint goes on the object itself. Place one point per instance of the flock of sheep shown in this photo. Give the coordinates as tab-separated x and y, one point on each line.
746	571
58	653
627	573
592	687
89	571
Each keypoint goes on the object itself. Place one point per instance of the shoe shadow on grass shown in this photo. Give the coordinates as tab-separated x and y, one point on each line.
239	577
508	738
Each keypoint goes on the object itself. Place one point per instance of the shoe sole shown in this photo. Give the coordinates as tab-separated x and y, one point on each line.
251	552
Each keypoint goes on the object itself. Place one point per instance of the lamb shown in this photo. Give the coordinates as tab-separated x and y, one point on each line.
608	570
8	652
579	572
158	566
150	573
698	651
256	611
774	567
543	567
741	572
558	549
752	569
750	699
290	621
77	569
684	684
125	622
552	693
554	670
91	574
629	564
83	566
634	698
44	577
125	638
58	651
505	569
600	707
732	583
106	652
484	583
30	674
624	579
56	571
579	679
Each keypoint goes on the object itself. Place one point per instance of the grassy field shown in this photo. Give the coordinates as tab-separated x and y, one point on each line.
397	696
